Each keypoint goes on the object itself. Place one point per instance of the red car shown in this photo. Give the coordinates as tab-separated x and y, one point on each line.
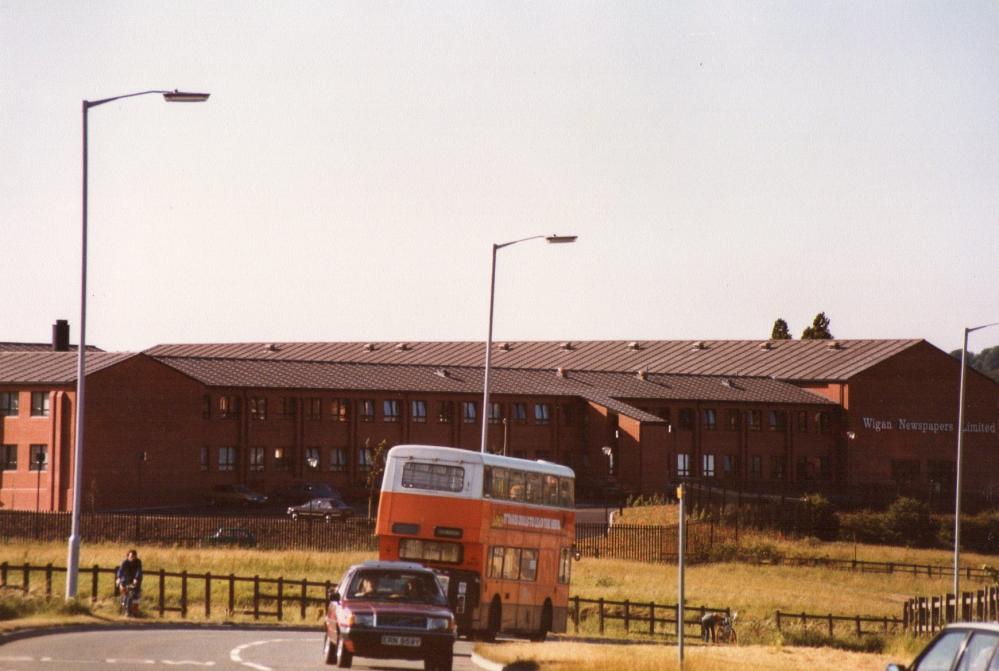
389	610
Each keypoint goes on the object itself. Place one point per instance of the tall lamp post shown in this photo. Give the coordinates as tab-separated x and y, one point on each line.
552	239
73	553
957	480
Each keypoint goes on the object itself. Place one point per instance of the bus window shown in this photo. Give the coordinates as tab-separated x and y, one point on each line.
564	564
565	492
434	477
551	490
415	549
498	482
511	563
496	563
516	486
534	493
529	565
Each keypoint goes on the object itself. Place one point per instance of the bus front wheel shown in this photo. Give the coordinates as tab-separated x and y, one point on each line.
495	619
546	623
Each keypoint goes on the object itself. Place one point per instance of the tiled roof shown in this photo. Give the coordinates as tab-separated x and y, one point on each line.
52	367
795	360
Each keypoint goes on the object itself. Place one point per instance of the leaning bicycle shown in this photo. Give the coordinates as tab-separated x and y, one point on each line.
726	630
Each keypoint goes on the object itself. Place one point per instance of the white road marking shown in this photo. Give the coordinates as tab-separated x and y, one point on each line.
128	660
236	653
185	662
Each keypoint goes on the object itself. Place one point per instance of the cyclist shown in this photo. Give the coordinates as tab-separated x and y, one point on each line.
129	578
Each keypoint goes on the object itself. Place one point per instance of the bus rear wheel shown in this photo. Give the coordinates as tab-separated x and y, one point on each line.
494	621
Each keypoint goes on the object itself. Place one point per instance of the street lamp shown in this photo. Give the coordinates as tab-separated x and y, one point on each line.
73	553
552	239
960	446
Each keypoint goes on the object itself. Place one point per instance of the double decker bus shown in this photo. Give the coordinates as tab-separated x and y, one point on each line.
498	530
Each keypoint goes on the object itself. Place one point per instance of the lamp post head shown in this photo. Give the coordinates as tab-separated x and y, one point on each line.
185	97
560	239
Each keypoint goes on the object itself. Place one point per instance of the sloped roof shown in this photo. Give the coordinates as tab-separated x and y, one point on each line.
794	360
39	347
52	367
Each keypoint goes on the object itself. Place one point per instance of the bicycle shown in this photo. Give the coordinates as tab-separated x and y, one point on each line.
726	630
130	600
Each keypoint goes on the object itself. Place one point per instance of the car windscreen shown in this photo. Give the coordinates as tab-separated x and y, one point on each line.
401	586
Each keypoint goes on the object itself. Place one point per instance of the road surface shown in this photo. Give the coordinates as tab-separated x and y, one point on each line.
223	648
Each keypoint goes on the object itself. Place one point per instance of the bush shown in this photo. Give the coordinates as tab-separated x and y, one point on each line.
820	518
908	522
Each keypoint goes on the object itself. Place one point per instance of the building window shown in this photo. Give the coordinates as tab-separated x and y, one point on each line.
314	409
495	413
824	422
256	457
777	420
468	412
686	419
753	419
8	403
206	406
708	465
338	459
825	470
203	459
390	410
520	413
39	458
418	412
756	467
39	404
710	419
312	458
9	458
683	465
541	413
282	458
734	420
367	410
365	458
802	421
729	465
778	466
445	412
258	407
227	458
229	407
289	407
340	409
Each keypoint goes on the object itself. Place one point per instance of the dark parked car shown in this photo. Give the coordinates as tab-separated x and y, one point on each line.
235	495
327	508
967	646
300	492
389	610
231	537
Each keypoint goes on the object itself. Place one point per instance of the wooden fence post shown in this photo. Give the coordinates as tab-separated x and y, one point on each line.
601	616
96	571
3	574
652	618
575	614
208	594
778	621
232	594
280	599
858	626
627	616
162	592
830	625
305	590
256	597
26	577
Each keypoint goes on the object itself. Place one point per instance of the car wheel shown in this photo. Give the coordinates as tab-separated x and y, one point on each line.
546	623
344	658
495	620
329	652
439	662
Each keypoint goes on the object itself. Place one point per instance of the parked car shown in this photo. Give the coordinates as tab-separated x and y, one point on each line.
231	537
967	646
235	495
328	508
299	492
389	610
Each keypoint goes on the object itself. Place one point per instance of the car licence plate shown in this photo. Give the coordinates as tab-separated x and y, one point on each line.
405	641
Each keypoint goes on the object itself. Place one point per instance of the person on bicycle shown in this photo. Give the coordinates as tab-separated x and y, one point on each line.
130	574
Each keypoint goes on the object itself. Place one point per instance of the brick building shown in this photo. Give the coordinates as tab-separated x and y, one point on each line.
165	425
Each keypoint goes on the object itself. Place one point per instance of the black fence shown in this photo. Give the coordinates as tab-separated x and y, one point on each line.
246	530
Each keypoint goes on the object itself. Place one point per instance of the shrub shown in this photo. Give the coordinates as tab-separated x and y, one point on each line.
908	522
820	518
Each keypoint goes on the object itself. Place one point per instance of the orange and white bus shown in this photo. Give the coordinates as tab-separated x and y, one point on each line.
498	530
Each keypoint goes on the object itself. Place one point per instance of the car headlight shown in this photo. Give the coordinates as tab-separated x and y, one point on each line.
362	619
440	623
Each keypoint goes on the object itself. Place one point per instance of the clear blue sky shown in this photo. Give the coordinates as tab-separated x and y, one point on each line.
723	164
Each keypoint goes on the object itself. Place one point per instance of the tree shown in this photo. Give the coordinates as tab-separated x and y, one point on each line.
374	480
819	330
780	330
986	361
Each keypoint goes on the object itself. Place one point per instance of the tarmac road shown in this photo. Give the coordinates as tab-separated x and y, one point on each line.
224	648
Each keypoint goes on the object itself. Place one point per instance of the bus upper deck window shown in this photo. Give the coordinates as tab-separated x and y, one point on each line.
565	492
498	483
534	491
516	486
551	490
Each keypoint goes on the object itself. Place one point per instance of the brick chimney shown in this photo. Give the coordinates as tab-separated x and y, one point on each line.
60	336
